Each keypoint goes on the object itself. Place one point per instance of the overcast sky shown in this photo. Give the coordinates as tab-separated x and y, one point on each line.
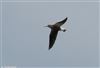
26	40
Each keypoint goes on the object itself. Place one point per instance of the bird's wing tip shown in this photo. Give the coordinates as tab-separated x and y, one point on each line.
49	48
66	17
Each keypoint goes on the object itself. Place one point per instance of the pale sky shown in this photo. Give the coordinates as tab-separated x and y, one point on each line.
26	40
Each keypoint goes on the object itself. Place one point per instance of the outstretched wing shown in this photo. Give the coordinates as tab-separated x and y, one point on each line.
52	38
61	22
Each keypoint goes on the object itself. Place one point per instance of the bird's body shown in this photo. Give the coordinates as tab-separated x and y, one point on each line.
54	27
54	31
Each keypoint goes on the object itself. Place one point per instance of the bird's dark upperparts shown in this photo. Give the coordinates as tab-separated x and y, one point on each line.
54	31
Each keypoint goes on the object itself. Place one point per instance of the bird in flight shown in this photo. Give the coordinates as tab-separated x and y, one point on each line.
54	31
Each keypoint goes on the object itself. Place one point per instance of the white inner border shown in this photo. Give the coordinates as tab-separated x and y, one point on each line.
42	2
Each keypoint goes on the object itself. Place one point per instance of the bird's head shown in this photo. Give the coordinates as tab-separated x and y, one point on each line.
63	29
